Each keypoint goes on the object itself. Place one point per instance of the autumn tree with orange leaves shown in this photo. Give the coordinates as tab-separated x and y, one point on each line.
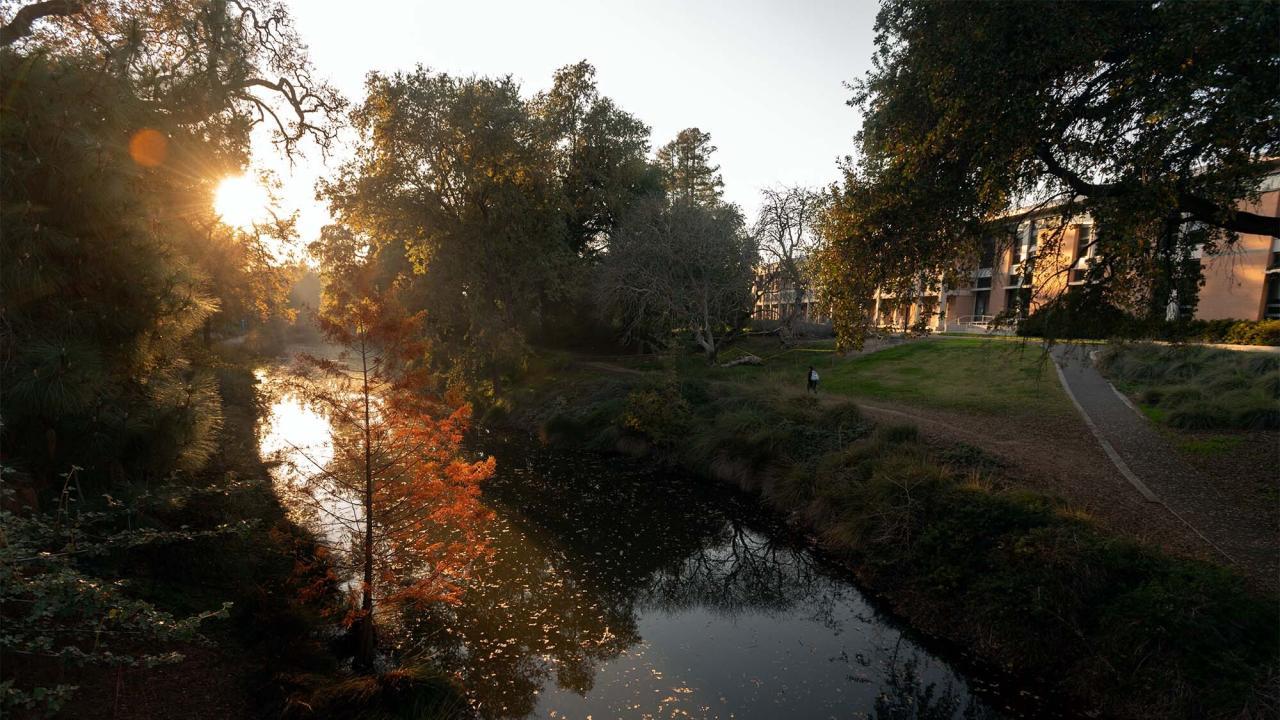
397	501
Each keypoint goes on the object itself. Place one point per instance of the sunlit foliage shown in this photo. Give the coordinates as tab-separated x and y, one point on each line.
486	209
1154	118
397	497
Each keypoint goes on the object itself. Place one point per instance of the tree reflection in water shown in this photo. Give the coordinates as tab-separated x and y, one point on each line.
904	695
737	618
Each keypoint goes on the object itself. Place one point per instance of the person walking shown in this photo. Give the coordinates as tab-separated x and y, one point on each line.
813	380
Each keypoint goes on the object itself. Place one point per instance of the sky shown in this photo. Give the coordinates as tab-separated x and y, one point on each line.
766	79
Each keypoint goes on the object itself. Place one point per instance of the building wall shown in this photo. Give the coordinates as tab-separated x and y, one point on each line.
1233	282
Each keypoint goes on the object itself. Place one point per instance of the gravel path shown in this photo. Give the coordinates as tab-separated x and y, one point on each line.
1145	458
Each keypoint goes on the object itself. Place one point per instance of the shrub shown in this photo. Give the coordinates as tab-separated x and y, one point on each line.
695	391
1262	332
1227	382
1263	363
1257	416
1199	416
895	434
659	413
966	456
1076	316
1270	386
1180	396
416	691
1199	388
1151	396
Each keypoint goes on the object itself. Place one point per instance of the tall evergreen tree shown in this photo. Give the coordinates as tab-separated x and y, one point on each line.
687	168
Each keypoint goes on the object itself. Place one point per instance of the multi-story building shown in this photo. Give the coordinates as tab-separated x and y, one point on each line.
776	298
1242	284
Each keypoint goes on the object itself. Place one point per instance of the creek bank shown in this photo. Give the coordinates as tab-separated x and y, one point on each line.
958	550
278	653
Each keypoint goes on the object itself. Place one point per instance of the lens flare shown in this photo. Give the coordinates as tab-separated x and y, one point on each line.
241	201
148	147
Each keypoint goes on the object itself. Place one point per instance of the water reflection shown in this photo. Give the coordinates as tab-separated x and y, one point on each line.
617	592
297	439
613	591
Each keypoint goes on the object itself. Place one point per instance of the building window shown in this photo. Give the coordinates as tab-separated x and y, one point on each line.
987	258
981	301
1084	241
1018	301
1024	248
1272	295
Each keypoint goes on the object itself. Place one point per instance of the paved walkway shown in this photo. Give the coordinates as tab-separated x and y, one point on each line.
1154	468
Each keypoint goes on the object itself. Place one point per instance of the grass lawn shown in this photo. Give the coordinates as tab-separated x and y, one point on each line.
979	375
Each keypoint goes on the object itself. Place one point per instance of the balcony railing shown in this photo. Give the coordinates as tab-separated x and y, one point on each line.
981	321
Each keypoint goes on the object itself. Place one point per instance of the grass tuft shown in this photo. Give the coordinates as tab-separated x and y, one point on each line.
1196	388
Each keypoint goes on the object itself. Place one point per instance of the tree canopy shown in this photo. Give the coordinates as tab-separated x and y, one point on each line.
119	120
1155	118
680	267
488	209
687	170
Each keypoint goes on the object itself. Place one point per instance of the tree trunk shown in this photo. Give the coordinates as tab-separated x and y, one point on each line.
366	637
708	344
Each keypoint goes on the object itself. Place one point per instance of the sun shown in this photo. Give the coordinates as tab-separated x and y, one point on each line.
241	201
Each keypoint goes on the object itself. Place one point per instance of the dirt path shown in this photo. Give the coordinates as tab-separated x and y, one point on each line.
1056	457
609	367
1182	511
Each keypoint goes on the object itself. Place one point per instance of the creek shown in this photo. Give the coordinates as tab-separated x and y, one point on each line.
618	590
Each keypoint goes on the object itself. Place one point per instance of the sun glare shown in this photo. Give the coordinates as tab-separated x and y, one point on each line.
240	201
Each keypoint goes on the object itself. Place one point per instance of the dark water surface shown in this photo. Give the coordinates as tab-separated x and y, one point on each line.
617	591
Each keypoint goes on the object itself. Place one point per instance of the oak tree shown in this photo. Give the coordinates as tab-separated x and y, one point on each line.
1154	118
787	237
681	267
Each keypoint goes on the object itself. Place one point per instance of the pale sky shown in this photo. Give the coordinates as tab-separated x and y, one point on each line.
764	78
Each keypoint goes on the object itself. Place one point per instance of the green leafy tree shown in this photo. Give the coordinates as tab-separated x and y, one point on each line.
687	169
119	120
601	155
454	195
1152	117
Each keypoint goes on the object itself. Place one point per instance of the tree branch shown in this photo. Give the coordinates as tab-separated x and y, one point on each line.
20	26
1201	209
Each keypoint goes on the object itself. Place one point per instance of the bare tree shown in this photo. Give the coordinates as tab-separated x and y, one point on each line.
785	233
678	267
